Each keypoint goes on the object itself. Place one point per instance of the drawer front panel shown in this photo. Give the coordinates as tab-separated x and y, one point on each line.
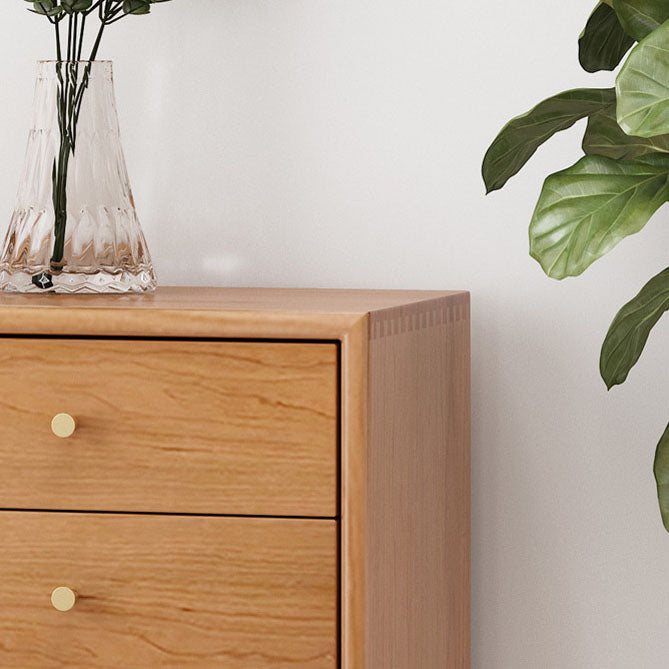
167	591
240	428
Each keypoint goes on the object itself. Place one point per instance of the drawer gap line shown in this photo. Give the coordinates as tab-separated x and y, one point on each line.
167	513
250	340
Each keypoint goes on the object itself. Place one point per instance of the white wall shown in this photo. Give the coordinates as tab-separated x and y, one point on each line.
337	143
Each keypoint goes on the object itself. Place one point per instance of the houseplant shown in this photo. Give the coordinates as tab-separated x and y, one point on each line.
75	228
615	188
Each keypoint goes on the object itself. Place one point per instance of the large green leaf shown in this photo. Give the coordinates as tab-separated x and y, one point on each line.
603	42
585	210
642	86
522	136
604	137
661	471
641	17
630	329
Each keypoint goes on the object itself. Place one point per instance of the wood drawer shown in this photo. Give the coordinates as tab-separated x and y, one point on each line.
239	428
168	591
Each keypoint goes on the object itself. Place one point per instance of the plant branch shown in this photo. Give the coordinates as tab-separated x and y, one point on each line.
93	8
49	19
81	36
69	39
59	53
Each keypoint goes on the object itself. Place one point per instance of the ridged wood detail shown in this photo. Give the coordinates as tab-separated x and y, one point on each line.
419	316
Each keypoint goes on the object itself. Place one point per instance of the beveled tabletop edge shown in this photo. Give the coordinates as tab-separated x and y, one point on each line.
210	312
308	300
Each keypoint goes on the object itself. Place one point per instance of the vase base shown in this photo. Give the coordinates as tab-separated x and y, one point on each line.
123	281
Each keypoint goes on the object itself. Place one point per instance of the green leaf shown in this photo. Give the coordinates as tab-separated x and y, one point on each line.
522	136
136	6
630	329
585	210
139	6
603	42
661	471
76	5
642	87
604	137
46	7
640	17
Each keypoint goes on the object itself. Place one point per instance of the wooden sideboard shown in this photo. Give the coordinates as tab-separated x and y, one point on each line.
236	478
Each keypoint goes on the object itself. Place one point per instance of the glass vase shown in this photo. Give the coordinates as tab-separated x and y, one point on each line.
75	228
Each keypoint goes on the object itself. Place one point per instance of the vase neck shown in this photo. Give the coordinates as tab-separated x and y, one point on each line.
78	94
74	70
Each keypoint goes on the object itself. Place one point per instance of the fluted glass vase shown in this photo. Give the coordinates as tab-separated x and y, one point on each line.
74	228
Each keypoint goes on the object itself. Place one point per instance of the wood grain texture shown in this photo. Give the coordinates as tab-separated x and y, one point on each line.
354	370
403	528
238	428
203	312
417	518
167	591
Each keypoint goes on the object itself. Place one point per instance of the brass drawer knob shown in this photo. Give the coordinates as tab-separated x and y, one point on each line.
63	425
63	599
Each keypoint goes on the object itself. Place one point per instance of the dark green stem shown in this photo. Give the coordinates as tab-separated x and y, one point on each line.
60	202
60	168
81	36
70	97
59	53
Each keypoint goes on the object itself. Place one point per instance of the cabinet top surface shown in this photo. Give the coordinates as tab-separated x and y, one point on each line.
183	311
300	300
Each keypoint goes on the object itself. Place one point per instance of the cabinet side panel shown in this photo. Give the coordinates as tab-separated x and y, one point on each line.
417	571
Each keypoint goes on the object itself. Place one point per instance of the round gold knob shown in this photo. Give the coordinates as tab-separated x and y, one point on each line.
63	425
63	599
